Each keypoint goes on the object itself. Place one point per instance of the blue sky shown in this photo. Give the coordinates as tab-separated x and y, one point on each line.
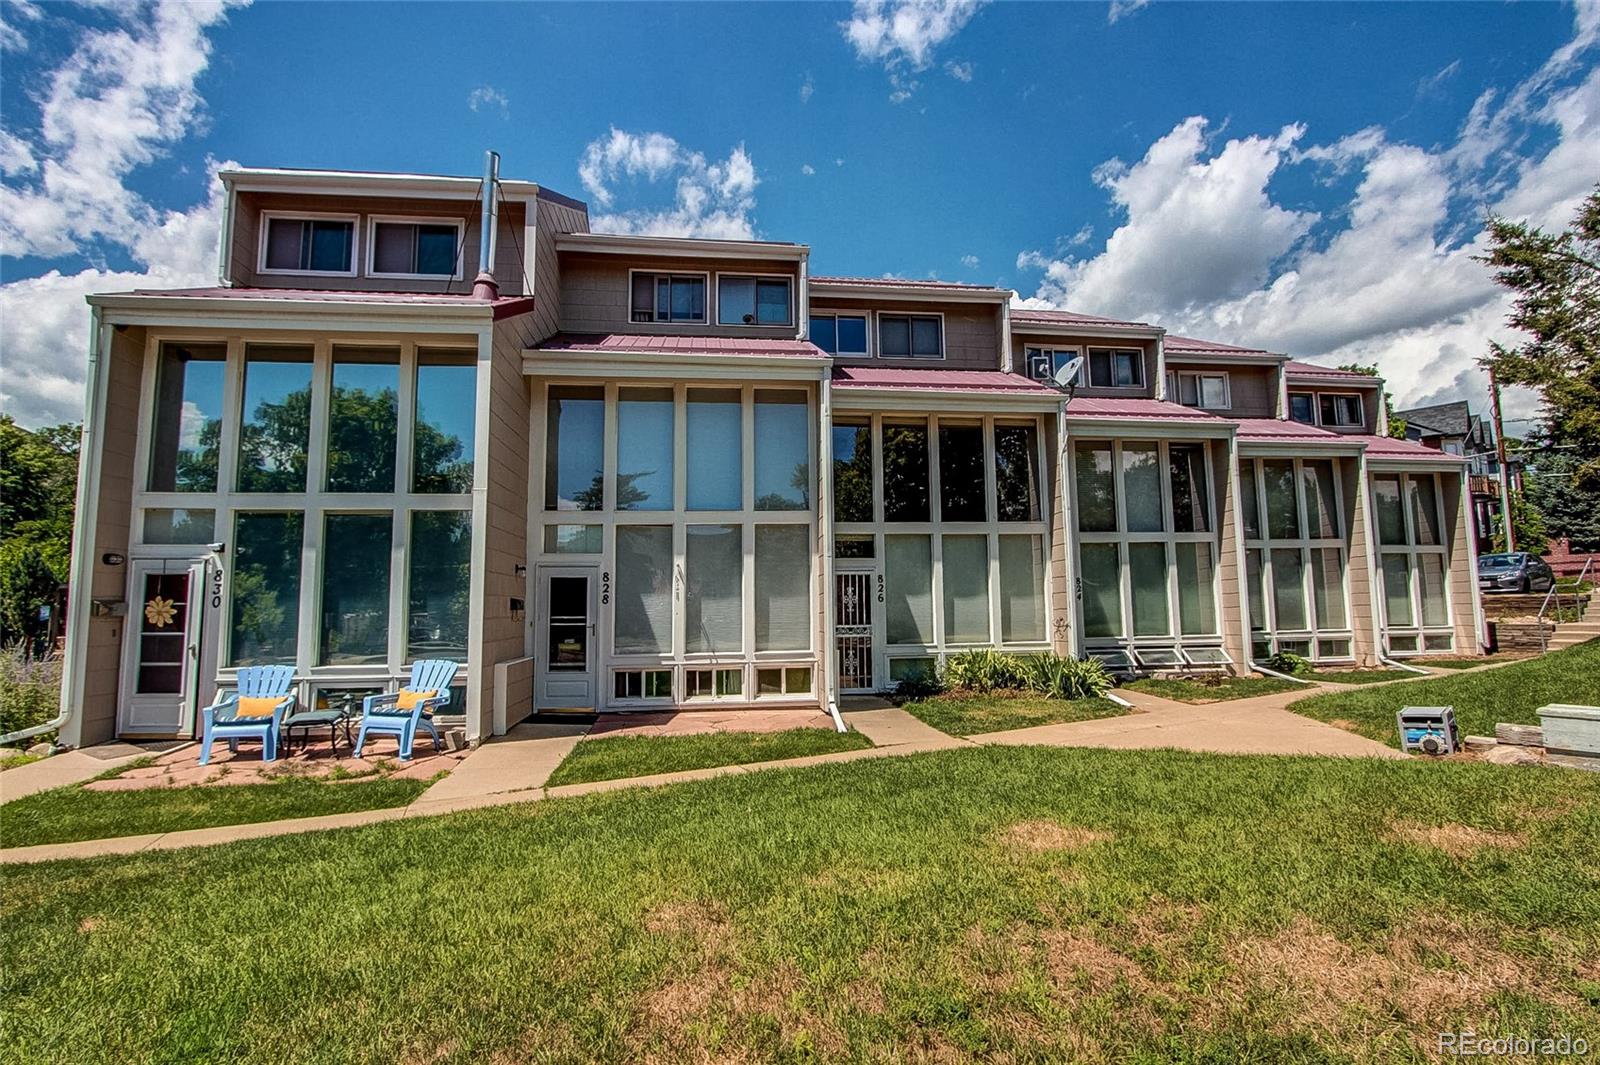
1303	176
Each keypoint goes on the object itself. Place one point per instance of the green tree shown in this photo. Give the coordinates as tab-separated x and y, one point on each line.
1570	509
38	489
1528	523
1556	278
1397	426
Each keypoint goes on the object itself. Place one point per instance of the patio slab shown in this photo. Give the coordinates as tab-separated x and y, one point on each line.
893	726
181	767
520	760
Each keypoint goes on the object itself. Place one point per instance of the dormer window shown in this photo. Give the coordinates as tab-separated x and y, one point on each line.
1302	408
753	300
840	334
1208	391
675	298
1341	409
308	245
414	249
910	336
1116	368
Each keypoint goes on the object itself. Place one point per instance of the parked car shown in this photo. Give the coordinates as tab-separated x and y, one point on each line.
1514	571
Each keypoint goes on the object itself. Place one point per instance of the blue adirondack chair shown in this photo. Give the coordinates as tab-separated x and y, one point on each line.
220	720
380	716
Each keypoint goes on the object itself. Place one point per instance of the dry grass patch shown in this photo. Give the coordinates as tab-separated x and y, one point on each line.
1456	840
1051	836
1074	959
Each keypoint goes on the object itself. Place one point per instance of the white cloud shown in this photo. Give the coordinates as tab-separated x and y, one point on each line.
904	34
807	169
807	87
489	98
11	38
1386	276
1121	9
839	161
119	98
960	71
969	261
1431	84
710	199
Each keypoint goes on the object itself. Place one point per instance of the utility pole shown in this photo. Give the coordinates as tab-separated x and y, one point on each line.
1500	452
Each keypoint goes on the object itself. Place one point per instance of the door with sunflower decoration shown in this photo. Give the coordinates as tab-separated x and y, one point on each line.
162	655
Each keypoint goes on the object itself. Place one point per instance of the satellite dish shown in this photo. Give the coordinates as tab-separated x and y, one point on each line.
1066	376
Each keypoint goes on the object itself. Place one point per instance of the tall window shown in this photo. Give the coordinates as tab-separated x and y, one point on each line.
852	470
905	472
264	616
355	589
643	621
1413	561
440	573
782	439
1147	544
275	431
713	596
716	448
188	417
753	300
645	435
961	483
1016	477
574	447
1295	559
363	415
783	606
679	298
443	437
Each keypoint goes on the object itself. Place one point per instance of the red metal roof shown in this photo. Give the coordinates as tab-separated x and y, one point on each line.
1030	315
1311	369
937	380
1388	448
1278	429
897	282
635	344
1142	409
1176	345
504	307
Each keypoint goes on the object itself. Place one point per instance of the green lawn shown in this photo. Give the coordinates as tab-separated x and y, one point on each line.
1469	661
1481	700
971	715
1356	676
16	761
1026	904
1214	689
65	815
639	756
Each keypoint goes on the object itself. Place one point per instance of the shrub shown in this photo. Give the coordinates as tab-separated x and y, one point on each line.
918	684
1061	677
30	688
1285	662
983	670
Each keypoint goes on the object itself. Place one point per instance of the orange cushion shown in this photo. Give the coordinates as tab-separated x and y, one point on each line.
408	699
255	706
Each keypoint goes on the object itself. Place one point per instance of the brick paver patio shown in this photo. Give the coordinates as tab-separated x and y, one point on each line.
182	767
695	722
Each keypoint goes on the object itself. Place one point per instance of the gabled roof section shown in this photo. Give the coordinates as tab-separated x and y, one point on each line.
379	183
1448	419
930	291
1389	449
986	381
1140	410
1310	372
682	247
1181	346
635	344
1072	323
1269	430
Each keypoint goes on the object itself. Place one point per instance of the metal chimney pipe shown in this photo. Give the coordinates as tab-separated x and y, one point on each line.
484	286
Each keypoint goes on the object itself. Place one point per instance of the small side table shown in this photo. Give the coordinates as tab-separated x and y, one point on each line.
332	720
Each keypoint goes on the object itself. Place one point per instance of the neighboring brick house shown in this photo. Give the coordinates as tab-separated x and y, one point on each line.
621	472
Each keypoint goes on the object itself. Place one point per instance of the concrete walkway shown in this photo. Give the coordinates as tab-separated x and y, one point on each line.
70	767
892	726
1242	726
521	760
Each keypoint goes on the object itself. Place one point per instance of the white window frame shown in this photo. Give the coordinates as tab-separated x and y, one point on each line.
1361	409
374	221
1071	351
705	278
1138	360
268	217
876	340
1174	637
1264	542
1414	552
1175	390
642	699
866	329
742	275
314	504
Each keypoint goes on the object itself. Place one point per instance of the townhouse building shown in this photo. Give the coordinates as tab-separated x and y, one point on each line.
423	417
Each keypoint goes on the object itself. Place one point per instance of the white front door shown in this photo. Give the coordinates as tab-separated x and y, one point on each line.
162	647
565	651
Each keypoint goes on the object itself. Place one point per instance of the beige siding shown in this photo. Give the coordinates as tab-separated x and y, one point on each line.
595	294
1063	616
247	236
505	535
553	219
1461	561
1230	584
1022	339
96	718
1363	611
972	332
1369	406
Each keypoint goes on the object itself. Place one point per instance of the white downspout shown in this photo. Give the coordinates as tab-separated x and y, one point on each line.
1401	665
1257	667
830	679
80	582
